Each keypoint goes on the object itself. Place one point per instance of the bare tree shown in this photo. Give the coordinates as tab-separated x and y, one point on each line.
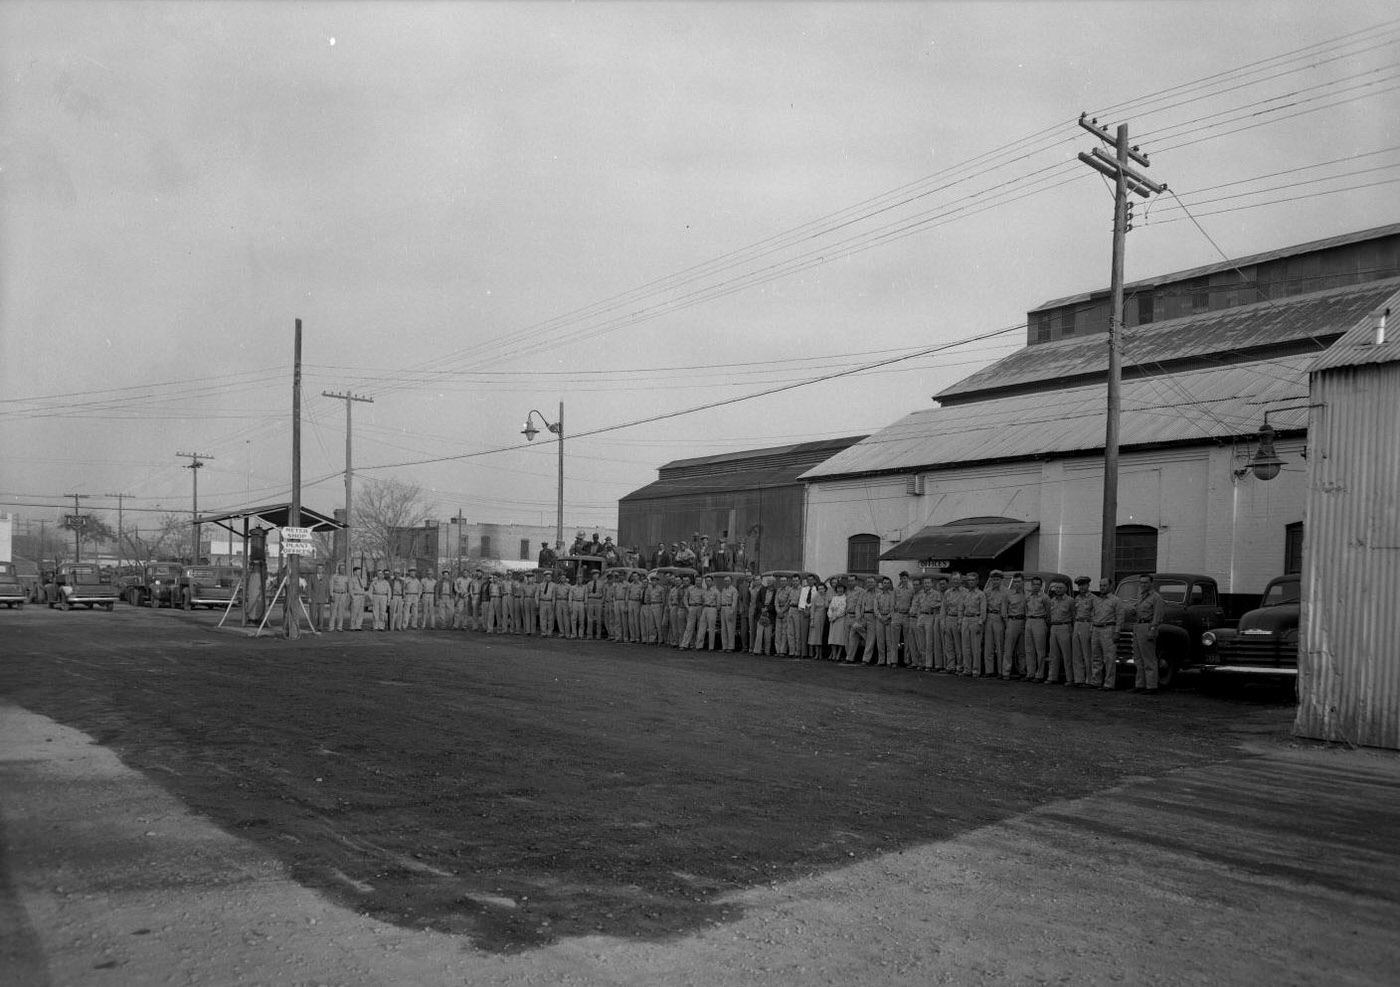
381	507
166	539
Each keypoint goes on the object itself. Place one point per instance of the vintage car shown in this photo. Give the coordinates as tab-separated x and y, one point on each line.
674	570
1192	607
151	585
207	586
81	584
791	574
572	565
1265	643
12	591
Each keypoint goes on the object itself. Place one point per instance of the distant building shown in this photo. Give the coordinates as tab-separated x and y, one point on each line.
1007	471
756	495
7	537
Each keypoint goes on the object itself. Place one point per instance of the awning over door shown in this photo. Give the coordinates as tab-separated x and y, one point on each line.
961	541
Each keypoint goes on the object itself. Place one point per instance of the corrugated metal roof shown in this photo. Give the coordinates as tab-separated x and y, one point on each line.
1358	346
1226	333
750	469
771	452
1194	405
1327	243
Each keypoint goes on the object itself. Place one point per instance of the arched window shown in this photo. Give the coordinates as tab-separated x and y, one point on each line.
1136	549
863	553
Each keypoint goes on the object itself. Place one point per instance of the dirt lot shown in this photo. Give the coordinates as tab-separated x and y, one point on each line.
517	791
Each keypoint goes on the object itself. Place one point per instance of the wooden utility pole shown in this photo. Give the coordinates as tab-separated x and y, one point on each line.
292	602
76	524
348	398
1125	179
197	460
121	531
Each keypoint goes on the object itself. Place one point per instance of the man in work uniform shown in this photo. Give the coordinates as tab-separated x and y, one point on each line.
593	604
728	612
877	649
952	627
974	620
1013	648
1082	633
547	557
860	615
396	583
320	616
412	596
1148	614
994	634
578	605
461	611
709	615
359	589
928	608
547	596
340	597
1037	632
379	593
635	593
694	597
903	633
802	617
743	615
1106	615
1061	634
653	606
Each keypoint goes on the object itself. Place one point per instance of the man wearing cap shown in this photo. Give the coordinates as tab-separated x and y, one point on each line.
635	594
1037	631
1061	634
664	556
548	590
593	605
1082	633
1107	615
709	615
396	583
340	594
1013	648
379	592
994	630
578	605
694	597
1148	614
924	616
685	556
974	621
952	627
653	604
547	556
765	595
902	633
412	592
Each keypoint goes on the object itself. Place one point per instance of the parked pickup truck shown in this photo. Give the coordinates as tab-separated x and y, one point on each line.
1192	608
12	591
1266	641
153	585
82	584
207	586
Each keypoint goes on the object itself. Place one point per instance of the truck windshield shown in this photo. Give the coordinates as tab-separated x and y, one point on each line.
1280	593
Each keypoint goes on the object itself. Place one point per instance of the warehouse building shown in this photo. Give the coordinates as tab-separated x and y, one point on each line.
755	495
1007	470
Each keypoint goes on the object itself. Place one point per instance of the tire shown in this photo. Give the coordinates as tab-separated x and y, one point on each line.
109	607
1166	670
186	602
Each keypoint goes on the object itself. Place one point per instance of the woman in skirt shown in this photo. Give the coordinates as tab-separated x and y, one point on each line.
836	622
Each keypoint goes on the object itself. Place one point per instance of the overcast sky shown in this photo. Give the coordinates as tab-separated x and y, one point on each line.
457	200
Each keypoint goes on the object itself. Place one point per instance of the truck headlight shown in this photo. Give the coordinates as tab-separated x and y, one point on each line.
1208	639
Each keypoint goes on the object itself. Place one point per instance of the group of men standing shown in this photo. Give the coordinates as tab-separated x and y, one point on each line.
946	624
1018	631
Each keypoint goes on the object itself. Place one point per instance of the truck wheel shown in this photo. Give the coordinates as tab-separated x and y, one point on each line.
186	602
1166	671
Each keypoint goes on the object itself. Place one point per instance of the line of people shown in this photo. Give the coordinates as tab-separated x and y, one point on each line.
1020	631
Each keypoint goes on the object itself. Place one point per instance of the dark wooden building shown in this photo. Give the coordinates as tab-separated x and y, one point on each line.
755	495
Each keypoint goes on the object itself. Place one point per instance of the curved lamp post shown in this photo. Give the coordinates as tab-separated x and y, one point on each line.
529	431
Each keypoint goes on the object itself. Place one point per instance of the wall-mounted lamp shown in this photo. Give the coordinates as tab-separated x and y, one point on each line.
1265	463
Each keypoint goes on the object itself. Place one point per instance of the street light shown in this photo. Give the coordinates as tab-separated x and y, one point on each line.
529	431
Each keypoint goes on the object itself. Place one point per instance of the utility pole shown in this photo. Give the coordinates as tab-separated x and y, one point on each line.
348	398
292	602
1125	179
77	525
121	540
197	460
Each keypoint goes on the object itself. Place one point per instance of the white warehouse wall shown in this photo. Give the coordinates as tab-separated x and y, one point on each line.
1208	520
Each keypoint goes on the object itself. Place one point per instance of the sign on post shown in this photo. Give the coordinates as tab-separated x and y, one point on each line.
75	520
297	541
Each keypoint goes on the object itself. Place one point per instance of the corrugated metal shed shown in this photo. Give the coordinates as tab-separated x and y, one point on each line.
1196	405
1304	322
1349	665
1358	346
1206	270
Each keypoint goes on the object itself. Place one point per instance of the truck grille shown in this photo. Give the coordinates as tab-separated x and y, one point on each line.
1259	651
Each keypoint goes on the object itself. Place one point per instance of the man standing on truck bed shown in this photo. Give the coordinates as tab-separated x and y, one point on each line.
1147	618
